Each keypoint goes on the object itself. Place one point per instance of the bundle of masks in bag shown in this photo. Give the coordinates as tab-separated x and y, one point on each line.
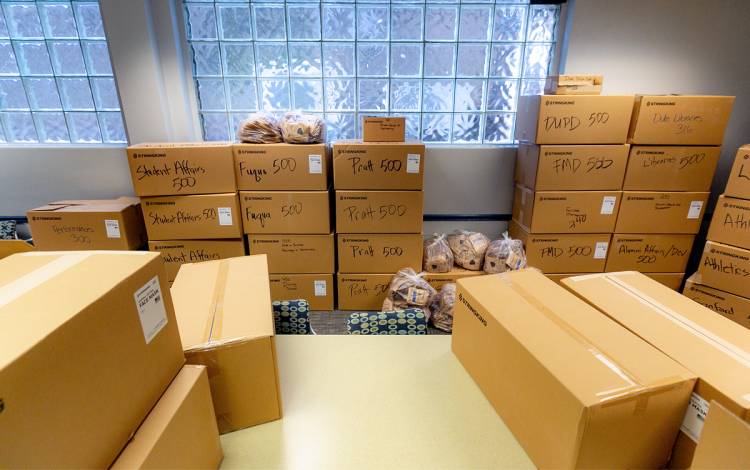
293	128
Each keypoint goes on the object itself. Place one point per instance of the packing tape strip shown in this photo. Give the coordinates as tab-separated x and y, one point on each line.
215	320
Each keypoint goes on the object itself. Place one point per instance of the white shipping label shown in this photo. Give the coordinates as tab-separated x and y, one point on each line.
321	288
315	164
225	216
112	227
600	252
695	416
412	162
150	304
608	204
695	209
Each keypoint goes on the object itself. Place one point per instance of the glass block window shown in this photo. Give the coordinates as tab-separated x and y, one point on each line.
455	70
56	83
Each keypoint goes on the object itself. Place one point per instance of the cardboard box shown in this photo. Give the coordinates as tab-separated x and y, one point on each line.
379	211
372	165
383	129
317	289
680	119
661	212
590	119
90	343
379	252
558	277
738	183
566	211
224	313
731	222
712	347
162	169
571	167
295	253
103	224
651	253
725	441
285	211
438	280
731	306
175	253
180	431
200	216
563	252
671	280
11	247
571	384
582	84
726	268
282	166
362	291
671	168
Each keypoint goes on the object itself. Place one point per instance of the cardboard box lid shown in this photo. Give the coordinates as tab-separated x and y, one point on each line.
591	355
712	346
725	441
89	205
37	275
222	301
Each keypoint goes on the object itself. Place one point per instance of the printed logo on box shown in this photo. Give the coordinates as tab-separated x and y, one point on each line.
112	227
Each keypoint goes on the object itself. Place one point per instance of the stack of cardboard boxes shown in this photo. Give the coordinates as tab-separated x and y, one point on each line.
721	283
189	201
285	204
378	185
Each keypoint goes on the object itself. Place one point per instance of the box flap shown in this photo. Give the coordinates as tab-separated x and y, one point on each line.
89	205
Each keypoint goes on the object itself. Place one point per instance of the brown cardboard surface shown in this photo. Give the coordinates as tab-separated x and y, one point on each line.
680	119
563	252
731	306
282	166
285	211
438	280
373	165
558	277
712	347
103	224
738	183
160	169
589	119
571	167
379	252
671	280
725	441
223	310
652	253
671	168
379	211
725	267
180	431
566	211
571	384
90	343
730	223
317	289
661	212
175	253
362	291
383	129
295	253
11	247
199	216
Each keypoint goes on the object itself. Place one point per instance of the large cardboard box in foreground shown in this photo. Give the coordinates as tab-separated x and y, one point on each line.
160	169
11	247
731	306
295	253
730	223
661	212
725	441
379	252
90	343
282	166
652	253
680	119
589	119
671	168
285	211
438	280
379	211
317	289
738	183
712	347
223	309
566	211
371	165
671	280
362	291
725	267
576	389
103	224
195	217
175	253
180	431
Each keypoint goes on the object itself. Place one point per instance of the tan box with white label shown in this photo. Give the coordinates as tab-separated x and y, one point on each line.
175	253
362	291
671	168
285	212
725	267
653	253
379	211
383	129
661	212
566	211
281	166
194	217
295	253
731	222
728	305
317	289
738	184
373	165
379	252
